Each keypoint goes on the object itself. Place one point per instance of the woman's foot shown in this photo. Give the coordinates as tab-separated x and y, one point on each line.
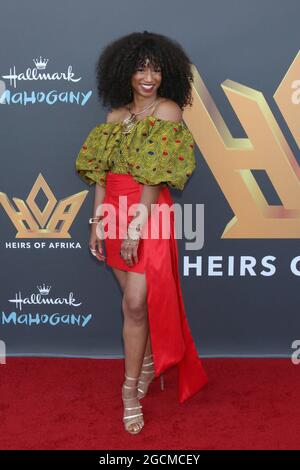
133	416
146	376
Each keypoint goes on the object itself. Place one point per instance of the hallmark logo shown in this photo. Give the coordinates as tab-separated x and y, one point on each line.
44	290
39	299
41	63
34	74
38	318
38	73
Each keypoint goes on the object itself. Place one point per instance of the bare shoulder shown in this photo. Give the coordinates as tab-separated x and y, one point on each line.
168	110
115	114
110	116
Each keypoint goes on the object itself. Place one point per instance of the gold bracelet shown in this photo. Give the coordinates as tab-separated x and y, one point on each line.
130	241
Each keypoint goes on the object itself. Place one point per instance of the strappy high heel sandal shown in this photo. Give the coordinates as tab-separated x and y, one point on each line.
133	422
147	376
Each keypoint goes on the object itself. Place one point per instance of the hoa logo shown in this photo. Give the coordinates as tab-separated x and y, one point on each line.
53	221
234	162
38	73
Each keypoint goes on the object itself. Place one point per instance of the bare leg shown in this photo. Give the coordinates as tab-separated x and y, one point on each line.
136	328
121	277
147	371
135	333
148	349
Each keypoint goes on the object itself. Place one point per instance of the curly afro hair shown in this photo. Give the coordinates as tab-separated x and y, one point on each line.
119	60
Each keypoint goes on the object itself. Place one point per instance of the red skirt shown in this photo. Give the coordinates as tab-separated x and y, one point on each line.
171	339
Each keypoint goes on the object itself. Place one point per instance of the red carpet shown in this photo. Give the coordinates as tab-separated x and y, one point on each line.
76	404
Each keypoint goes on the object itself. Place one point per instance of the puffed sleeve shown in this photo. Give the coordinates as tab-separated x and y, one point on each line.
91	162
163	153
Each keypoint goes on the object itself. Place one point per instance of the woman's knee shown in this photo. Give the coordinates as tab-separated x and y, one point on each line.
134	306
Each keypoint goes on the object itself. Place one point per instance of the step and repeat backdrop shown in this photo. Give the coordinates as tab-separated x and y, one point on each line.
240	266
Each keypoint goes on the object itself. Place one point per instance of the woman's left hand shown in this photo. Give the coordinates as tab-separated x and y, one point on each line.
129	251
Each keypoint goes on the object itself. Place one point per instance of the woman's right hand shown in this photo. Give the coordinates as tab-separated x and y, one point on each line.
96	244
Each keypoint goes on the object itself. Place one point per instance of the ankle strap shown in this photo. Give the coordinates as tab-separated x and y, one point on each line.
131	378
147	357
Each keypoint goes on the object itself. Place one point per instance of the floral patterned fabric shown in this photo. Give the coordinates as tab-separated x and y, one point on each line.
155	151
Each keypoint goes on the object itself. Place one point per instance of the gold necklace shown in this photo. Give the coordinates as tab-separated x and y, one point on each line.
129	123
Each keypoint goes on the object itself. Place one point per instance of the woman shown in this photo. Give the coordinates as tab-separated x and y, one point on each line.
141	149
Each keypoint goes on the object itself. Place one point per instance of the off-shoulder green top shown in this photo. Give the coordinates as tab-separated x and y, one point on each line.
155	151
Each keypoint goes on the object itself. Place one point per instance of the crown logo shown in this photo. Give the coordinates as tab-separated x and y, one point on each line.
44	290
53	221
40	63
